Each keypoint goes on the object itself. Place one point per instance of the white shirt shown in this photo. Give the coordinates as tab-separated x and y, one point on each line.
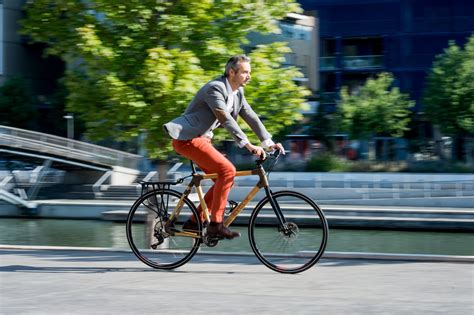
231	97
230	107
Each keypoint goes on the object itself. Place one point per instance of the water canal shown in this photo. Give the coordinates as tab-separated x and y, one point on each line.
94	233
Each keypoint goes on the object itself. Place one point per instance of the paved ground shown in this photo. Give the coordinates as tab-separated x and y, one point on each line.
40	281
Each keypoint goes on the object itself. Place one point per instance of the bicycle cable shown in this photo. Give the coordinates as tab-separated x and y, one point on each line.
274	156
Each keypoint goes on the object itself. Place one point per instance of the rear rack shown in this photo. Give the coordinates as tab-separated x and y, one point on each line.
149	186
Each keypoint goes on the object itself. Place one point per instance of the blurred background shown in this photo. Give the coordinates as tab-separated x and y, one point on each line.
374	101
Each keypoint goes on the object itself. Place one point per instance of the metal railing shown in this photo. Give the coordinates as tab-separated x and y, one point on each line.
97	187
59	146
362	62
327	63
352	62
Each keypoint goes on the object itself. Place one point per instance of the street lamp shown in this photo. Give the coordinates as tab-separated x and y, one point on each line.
70	125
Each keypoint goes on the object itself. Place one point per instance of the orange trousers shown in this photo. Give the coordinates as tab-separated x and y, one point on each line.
202	152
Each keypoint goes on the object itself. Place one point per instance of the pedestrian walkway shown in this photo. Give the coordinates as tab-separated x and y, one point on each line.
45	281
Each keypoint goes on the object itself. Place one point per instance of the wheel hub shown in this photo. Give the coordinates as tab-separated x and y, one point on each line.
290	230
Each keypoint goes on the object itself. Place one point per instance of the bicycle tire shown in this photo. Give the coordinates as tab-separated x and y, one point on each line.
301	247
159	249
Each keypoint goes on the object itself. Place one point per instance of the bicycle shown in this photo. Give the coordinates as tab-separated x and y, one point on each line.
287	231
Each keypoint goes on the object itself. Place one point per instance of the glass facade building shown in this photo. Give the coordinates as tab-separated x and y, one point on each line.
359	38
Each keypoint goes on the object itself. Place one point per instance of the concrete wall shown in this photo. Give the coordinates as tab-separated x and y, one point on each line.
13	54
17	57
123	176
1	43
8	210
81	177
305	52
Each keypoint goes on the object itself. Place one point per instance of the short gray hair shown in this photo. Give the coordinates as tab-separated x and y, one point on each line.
233	63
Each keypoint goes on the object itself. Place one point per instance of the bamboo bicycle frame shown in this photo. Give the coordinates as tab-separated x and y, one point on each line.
196	182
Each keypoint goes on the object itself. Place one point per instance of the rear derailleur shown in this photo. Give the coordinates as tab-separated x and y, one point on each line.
161	231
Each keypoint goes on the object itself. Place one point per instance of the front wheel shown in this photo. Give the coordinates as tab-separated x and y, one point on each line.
153	238
295	244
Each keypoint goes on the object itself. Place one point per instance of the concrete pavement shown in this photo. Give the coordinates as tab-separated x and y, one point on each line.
66	281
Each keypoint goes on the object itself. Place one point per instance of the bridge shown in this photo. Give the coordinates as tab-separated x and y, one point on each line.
69	151
106	163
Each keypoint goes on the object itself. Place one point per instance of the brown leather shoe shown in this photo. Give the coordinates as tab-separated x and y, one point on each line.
220	231
190	225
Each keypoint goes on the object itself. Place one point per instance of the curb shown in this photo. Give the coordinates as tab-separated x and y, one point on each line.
327	255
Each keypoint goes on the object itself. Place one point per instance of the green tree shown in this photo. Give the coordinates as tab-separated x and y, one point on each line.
449	94
272	92
378	108
135	64
17	107
322	126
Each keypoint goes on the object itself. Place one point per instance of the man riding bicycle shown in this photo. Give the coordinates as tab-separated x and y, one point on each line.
218	103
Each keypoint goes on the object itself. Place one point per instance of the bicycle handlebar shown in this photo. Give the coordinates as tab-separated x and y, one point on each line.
273	154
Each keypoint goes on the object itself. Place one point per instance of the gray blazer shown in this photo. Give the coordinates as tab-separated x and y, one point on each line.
209	108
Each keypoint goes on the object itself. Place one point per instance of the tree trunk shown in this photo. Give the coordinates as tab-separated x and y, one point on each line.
385	150
372	149
459	149
437	137
162	170
470	151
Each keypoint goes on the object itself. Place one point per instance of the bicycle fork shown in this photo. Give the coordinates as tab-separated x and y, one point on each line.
275	207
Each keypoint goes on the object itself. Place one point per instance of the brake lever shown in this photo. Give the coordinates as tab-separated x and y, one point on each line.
275	153
260	160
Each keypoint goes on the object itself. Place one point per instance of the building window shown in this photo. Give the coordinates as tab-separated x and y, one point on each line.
295	31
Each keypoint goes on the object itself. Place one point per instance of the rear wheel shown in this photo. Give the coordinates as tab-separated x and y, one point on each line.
298	243
153	239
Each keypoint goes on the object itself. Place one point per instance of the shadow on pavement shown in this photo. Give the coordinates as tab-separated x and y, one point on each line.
35	269
93	257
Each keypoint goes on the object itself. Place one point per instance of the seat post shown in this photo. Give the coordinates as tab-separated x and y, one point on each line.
193	168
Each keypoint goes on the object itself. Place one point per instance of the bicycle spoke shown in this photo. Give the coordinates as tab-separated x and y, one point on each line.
295	246
150	239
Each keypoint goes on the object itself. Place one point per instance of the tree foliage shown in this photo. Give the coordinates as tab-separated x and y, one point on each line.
275	97
322	125
449	93
17	108
135	64
378	108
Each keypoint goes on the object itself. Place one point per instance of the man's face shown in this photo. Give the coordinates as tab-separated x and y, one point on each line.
242	76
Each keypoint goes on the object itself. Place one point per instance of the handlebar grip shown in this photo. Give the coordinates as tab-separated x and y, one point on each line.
274	154
260	158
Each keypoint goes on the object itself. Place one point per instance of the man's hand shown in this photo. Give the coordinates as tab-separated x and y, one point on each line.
256	150
279	147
